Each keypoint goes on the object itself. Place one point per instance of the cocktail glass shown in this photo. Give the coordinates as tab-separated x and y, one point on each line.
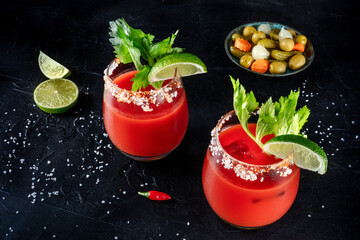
145	125
243	185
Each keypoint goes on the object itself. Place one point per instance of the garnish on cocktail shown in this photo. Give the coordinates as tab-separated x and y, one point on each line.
145	106
251	170
283	121
134	46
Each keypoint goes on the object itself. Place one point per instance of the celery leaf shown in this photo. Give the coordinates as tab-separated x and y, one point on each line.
278	118
244	104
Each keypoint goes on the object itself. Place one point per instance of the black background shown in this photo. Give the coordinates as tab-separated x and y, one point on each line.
60	176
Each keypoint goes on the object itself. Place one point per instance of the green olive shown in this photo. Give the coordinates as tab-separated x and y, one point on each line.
274	60
248	31
296	61
277	67
287	44
274	34
246	61
235	36
301	39
257	36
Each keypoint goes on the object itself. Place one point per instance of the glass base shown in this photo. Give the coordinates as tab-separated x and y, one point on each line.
146	159
241	227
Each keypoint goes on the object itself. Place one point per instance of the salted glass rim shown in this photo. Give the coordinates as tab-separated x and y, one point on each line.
132	66
217	131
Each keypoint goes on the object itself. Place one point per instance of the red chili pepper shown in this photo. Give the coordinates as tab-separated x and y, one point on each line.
155	195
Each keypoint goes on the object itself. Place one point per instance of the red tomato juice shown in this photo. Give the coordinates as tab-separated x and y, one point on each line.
144	134
242	203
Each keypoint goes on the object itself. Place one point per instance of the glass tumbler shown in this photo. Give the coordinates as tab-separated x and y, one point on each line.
243	185
145	125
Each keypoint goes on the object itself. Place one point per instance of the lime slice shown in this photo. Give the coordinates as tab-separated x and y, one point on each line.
185	63
50	68
56	95
307	154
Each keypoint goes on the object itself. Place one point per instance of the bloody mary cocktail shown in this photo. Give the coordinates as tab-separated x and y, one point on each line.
144	125
144	106
243	185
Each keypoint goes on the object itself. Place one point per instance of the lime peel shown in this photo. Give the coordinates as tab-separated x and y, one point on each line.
186	64
306	153
50	68
56	95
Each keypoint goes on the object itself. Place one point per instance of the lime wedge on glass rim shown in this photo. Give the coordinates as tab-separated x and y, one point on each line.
307	154
50	68
56	95
185	63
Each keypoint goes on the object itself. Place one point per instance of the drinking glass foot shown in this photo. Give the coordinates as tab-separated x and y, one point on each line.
241	227
146	159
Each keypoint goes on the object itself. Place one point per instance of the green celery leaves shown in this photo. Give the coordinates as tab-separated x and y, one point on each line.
130	45
164	48
244	104
278	118
140	79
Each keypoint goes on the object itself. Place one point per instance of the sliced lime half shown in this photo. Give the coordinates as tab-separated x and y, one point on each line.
50	68
185	63
56	95
307	154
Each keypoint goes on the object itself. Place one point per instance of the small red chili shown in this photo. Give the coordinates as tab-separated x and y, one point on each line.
155	195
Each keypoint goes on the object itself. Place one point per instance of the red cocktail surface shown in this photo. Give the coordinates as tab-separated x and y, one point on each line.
146	132
230	192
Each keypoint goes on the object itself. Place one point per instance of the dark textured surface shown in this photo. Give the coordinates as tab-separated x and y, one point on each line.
60	176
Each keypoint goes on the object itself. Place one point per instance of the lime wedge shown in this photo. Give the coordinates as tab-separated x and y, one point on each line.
56	95
185	63
307	154
50	68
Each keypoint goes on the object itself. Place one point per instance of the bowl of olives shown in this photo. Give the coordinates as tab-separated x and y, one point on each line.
269	49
